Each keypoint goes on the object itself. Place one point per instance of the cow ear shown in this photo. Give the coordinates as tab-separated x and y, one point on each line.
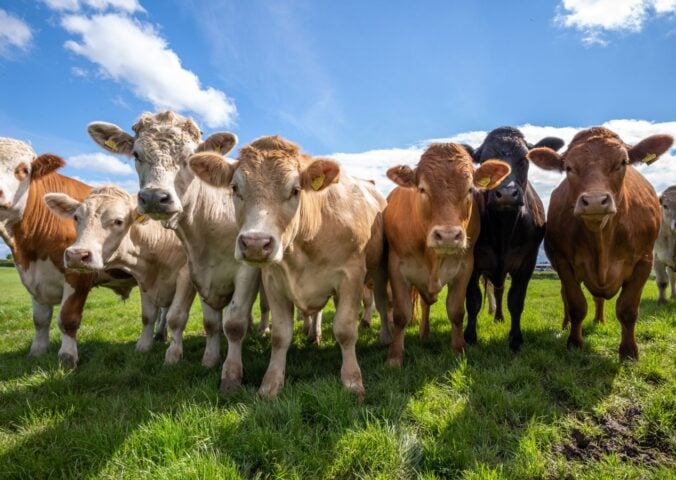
490	174
402	175
44	164
321	173
469	149
61	204
555	143
111	138
649	149
212	168
221	142
546	158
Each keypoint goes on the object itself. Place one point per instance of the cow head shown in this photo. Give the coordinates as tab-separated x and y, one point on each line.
444	182
668	203
270	184
509	145
102	220
595	164
18	167
161	146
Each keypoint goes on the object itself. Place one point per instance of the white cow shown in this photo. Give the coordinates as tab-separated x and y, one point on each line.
665	246
112	234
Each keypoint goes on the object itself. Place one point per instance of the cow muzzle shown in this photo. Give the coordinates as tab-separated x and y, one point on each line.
447	240
256	248
595	208
508	197
157	203
5	204
79	259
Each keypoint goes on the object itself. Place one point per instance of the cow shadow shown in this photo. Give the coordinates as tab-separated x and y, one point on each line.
116	393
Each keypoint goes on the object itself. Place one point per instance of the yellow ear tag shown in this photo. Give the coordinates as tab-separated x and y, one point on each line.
217	149
317	182
140	218
649	158
110	143
483	181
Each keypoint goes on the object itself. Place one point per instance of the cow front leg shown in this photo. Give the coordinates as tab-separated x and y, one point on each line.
235	324
498	291
212	319
402	309
662	280
42	318
345	331
70	316
473	303
627	307
575	305
149	312
161	325
367	303
264	326
315	332
177	316
515	302
382	303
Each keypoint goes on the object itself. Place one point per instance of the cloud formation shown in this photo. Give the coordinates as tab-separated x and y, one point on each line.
15	35
100	163
594	18
129	6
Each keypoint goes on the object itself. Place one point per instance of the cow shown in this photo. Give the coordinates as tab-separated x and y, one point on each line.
512	229
665	246
315	232
432	222
38	239
203	218
111	234
603	220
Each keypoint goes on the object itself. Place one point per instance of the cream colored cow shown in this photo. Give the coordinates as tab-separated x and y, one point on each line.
315	232
665	246
112	234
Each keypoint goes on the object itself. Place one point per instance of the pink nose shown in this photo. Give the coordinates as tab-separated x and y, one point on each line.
595	203
78	256
256	246
453	237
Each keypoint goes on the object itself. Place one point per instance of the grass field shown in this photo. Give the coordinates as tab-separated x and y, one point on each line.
543	413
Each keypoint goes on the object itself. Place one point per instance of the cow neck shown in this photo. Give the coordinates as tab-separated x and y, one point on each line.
602	239
502	226
203	206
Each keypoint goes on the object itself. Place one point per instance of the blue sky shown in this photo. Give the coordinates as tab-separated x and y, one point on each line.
371	79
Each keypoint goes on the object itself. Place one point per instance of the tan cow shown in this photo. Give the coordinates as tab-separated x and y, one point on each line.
431	224
602	225
38	239
203	218
315	231
112	234
665	246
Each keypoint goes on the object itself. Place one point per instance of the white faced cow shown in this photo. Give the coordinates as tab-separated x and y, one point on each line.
315	232
112	234
202	216
665	246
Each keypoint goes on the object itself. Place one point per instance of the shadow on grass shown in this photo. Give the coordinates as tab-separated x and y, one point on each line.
78	423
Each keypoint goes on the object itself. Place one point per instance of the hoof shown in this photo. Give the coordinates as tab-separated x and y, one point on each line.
470	337
574	343
229	386
394	362
628	352
172	356
662	301
143	347
68	361
270	391
210	361
357	389
36	352
385	338
515	343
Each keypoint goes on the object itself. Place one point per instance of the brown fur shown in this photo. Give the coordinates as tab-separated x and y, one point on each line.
45	164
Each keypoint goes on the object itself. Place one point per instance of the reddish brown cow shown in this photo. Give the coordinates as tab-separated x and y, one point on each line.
602	224
431	224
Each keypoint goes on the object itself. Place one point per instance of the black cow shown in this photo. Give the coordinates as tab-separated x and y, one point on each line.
512	228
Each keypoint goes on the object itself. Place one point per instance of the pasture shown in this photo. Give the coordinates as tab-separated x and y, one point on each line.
543	413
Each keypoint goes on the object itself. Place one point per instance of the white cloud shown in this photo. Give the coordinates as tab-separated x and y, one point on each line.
596	17
133	52
100	163
373	164
129	6
79	72
15	34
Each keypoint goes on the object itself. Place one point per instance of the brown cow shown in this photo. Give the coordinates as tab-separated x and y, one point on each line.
315	232
38	239
602	224
431	224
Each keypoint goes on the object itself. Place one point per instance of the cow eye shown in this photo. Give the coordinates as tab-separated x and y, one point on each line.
421	190
568	169
76	218
295	191
471	190
118	222
135	155
235	189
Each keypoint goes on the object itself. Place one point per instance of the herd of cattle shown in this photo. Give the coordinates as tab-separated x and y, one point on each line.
300	230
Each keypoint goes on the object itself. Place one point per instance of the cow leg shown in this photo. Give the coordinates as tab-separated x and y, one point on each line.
575	305
662	278
177	316
515	302
70	316
345	332
237	317
566	315
315	333
455	308
473	302
424	330
42	318
367	301
402	308
212	327
498	291
599	313
382	302
149	312
627	307
264	326
672	279
281	336
161	326
490	295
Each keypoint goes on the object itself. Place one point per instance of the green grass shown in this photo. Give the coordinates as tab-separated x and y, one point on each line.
543	413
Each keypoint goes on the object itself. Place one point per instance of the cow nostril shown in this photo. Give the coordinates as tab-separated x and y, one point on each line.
164	198
438	236
515	193
498	194
141	199
458	236
86	256
605	200
242	242
585	202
